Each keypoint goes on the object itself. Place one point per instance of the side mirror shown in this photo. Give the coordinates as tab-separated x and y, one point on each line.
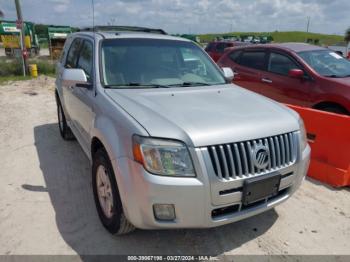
75	77
296	73
228	74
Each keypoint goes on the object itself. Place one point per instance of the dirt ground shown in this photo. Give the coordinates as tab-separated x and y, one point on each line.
47	207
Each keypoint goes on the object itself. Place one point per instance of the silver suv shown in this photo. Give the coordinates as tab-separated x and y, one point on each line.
172	143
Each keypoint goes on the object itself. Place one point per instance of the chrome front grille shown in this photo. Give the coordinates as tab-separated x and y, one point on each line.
239	160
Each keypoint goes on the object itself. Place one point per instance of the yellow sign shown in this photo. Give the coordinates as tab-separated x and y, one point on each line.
12	41
28	42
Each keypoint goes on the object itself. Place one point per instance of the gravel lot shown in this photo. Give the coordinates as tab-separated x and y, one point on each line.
46	201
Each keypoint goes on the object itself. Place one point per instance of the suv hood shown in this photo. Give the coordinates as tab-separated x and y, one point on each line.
202	116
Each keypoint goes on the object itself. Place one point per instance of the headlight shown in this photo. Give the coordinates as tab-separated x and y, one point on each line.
163	157
303	137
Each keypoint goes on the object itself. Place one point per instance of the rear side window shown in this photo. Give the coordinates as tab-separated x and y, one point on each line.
221	47
73	53
234	56
85	60
253	59
210	47
281	64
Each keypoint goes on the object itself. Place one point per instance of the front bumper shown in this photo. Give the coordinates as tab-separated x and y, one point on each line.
193	197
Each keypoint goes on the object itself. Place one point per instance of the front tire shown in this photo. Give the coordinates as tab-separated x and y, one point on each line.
106	194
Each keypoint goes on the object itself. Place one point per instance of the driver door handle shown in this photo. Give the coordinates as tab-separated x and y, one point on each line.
266	80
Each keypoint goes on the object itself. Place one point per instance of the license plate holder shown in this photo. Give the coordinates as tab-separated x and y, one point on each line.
259	188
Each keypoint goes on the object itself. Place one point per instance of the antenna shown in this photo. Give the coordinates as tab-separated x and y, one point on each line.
93	15
93	29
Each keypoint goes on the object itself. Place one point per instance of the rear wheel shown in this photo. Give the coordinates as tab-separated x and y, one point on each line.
65	130
106	194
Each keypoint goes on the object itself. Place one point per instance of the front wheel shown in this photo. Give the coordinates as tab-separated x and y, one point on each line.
106	194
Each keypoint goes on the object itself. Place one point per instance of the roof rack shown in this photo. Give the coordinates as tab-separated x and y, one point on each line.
123	28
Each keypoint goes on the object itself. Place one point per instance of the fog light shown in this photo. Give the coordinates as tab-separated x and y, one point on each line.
164	211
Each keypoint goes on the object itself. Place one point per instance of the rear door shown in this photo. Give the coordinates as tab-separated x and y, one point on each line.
279	86
248	65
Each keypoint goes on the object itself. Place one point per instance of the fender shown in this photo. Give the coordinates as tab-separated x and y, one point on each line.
119	148
59	97
335	99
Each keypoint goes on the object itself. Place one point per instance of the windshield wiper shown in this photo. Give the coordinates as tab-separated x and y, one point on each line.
138	85
337	76
332	76
192	84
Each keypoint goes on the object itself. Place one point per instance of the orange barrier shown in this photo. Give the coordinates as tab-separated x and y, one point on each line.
329	138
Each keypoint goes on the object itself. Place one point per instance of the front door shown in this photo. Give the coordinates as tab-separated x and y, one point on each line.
67	90
279	86
82	112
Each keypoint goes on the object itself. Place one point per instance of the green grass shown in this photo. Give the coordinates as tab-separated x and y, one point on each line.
44	45
5	79
13	67
44	67
9	68
281	37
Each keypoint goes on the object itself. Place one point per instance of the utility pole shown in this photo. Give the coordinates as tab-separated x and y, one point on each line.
20	24
308	24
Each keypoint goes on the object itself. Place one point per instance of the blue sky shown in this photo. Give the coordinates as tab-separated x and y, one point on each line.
192	16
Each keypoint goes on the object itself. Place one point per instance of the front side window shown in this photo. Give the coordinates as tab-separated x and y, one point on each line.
281	64
85	60
73	53
153	62
253	59
327	63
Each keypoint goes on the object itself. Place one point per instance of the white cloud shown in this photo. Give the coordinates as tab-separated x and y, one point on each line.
200	16
60	6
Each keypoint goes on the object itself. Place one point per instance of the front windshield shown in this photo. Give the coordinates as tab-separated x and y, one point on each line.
154	62
327	63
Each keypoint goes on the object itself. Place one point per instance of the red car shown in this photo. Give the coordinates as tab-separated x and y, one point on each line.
216	49
293	73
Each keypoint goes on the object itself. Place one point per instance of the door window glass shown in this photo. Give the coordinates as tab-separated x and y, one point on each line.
73	53
253	59
281	64
85	59
221	47
234	55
